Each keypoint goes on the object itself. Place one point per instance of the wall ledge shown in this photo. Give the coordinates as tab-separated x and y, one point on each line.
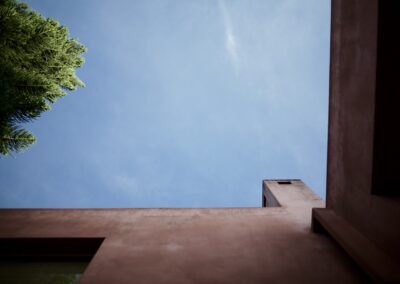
375	263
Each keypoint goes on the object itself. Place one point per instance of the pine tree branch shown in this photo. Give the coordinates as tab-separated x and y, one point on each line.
17	138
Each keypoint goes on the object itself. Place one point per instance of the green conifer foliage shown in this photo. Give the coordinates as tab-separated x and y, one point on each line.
37	65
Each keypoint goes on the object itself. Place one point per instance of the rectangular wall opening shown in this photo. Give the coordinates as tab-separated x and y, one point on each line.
386	141
45	260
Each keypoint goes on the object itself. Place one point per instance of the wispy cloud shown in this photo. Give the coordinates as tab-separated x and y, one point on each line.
230	39
124	184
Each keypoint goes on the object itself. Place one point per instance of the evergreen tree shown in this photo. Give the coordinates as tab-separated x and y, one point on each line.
37	65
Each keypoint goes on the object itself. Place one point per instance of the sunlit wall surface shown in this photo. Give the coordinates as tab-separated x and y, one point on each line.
187	104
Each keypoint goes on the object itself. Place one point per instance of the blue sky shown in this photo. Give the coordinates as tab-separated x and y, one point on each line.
187	104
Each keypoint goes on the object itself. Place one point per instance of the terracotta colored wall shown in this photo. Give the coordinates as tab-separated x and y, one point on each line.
226	245
351	126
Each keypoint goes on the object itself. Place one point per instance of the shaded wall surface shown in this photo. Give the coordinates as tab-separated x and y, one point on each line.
362	125
232	245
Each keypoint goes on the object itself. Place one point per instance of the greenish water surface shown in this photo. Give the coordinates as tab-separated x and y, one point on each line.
38	272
